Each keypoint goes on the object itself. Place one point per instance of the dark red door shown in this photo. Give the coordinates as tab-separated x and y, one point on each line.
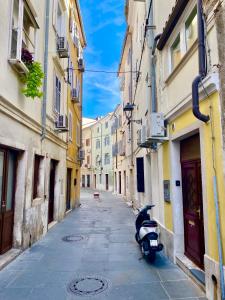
51	201
7	195
193	211
68	190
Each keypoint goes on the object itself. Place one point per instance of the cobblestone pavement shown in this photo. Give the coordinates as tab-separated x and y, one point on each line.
100	261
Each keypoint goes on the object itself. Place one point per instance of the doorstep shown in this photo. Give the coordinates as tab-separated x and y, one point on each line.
52	224
193	271
68	211
8	257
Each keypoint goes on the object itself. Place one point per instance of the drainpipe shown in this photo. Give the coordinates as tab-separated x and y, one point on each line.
202	65
153	72
45	83
131	123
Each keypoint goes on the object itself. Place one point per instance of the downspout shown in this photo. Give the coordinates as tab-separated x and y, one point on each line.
153	73
131	123
202	65
45	83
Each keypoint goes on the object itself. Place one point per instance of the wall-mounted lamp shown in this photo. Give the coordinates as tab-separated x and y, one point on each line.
128	109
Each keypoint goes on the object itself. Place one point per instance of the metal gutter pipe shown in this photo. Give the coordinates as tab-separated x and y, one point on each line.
45	84
218	232
153	72
202	66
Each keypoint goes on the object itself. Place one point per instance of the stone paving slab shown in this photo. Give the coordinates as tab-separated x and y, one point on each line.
106	249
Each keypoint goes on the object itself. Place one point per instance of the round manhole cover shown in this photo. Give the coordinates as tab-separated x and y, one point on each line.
73	238
88	286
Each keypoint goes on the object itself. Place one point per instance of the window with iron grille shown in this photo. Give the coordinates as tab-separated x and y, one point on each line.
107	140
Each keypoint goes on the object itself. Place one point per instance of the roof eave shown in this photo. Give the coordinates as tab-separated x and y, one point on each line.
172	22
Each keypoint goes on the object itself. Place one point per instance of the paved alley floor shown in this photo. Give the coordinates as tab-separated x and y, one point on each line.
92	252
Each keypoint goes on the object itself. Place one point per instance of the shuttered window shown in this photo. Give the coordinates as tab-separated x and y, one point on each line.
140	175
57	94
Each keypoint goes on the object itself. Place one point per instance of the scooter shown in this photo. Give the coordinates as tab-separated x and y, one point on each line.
147	234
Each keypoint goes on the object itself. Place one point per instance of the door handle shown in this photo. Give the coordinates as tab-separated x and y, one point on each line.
198	211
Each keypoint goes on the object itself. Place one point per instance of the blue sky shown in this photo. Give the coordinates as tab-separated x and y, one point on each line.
104	25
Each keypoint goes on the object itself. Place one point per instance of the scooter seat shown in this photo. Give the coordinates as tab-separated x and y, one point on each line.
149	223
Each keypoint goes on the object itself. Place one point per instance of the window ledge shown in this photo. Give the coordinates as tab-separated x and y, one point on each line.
18	66
181	64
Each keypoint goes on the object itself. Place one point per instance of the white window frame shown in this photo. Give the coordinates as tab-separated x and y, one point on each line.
60	4
20	31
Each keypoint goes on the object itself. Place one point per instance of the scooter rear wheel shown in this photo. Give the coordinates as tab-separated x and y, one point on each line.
152	256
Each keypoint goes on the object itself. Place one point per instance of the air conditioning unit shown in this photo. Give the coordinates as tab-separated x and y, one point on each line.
88	166
89	151
81	64
75	95
81	154
156	126
62	47
61	123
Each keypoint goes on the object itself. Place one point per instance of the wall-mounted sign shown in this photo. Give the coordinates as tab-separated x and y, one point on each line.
166	185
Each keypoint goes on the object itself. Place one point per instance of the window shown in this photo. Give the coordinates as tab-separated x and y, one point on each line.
107	140
23	30
36	177
59	19
98	130
57	94
98	144
140	175
88	159
78	134
98	160
87	142
106	125
175	52
191	29
70	126
107	159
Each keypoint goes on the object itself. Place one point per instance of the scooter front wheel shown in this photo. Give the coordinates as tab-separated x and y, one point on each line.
137	238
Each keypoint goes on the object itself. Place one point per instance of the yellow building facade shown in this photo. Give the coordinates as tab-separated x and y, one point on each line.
77	42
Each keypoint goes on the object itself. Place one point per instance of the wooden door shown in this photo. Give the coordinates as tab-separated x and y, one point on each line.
107	182
88	181
83	181
95	183
192	201
7	195
51	201
68	189
120	189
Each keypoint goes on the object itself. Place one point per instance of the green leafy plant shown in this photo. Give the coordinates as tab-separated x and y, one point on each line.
33	80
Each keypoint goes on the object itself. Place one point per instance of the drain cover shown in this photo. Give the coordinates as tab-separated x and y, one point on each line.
88	286
73	238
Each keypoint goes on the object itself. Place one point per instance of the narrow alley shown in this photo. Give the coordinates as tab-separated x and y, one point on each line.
93	253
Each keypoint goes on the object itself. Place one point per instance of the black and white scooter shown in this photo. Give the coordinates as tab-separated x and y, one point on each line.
147	234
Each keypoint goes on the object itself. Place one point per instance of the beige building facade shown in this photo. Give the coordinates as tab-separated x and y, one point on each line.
33	138
176	129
